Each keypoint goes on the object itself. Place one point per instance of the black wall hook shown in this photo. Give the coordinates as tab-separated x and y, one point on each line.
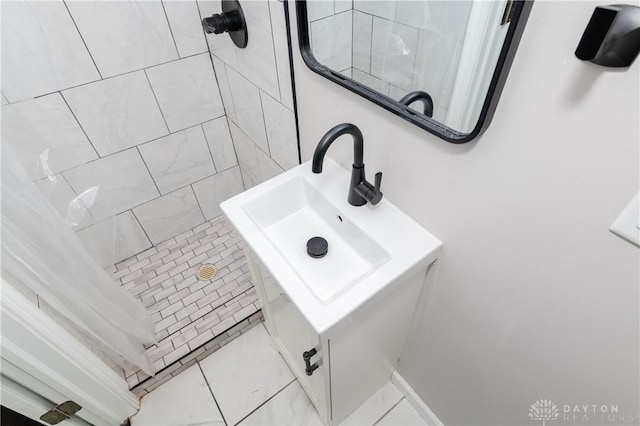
612	36
231	20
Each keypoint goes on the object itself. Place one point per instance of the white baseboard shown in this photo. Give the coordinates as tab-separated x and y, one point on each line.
415	401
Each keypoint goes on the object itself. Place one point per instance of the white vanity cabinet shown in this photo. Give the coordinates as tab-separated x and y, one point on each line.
354	305
355	357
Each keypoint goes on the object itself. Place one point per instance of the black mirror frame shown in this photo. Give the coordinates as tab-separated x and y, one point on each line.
521	11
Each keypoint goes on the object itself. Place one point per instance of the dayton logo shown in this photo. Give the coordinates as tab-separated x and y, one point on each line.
543	409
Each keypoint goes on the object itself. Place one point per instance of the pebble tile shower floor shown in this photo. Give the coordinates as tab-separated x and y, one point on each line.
188	312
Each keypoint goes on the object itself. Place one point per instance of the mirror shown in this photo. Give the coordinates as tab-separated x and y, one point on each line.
438	64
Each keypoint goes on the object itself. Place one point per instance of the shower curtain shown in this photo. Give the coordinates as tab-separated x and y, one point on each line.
41	251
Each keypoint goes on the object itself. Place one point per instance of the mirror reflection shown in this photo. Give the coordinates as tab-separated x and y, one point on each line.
436	58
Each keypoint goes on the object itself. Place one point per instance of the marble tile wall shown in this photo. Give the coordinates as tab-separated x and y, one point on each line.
123	112
331	38
403	46
357	39
121	119
255	86
33	62
393	47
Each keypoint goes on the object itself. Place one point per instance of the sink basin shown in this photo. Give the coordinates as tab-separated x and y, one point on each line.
369	247
292	213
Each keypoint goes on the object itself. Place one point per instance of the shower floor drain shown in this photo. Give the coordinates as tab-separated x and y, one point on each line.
206	272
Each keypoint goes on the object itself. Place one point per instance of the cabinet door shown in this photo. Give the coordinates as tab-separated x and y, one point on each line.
294	335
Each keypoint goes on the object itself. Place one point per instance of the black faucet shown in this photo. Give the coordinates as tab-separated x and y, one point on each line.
360	191
419	95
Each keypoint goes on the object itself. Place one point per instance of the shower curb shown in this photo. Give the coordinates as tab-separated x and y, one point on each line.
197	354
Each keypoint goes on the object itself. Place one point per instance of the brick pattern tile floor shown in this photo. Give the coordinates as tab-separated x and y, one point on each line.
189	312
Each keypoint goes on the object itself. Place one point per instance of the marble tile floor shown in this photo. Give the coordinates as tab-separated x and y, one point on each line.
248	383
189	312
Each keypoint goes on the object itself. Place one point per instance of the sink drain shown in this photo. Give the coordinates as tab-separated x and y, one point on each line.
317	247
206	272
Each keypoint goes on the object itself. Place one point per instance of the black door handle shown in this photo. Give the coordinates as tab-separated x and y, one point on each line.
306	356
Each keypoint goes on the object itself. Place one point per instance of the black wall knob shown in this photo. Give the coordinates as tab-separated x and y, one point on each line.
231	21
222	23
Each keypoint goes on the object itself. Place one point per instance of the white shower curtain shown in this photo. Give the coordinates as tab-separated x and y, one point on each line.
41	251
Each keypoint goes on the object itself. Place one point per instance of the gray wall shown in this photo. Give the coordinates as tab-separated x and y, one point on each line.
532	296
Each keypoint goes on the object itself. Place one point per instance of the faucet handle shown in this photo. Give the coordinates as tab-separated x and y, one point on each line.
367	191
376	187
375	195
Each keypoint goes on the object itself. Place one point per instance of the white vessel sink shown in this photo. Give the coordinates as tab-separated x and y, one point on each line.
292	213
368	246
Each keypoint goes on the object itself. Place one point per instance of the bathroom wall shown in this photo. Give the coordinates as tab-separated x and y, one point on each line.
532	296
120	97
255	83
